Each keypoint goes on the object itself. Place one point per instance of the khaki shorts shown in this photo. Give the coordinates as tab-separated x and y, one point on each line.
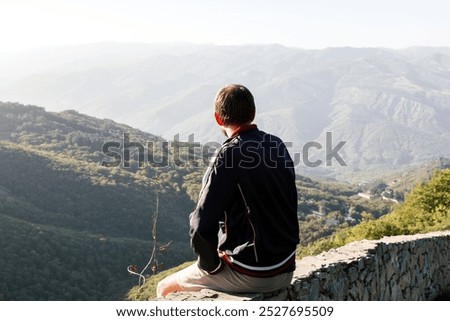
193	278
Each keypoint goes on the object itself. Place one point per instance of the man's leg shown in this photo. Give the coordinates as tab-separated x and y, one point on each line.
191	278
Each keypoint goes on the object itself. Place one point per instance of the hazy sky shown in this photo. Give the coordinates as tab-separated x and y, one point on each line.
298	23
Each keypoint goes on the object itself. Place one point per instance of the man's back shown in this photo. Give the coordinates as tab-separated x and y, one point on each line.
254	178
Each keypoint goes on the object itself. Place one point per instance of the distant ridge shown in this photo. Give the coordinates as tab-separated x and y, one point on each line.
392	107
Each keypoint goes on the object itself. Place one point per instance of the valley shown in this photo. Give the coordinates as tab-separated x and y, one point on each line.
70	227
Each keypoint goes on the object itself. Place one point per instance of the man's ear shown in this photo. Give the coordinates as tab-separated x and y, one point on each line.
218	119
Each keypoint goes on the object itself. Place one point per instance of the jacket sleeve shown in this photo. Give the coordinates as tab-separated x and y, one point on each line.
214	200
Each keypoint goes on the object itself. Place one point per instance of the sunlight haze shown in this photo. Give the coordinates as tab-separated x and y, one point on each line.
318	24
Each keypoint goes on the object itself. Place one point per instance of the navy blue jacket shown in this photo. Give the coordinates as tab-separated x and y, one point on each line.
247	207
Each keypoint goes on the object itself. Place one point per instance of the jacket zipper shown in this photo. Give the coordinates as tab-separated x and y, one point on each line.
250	221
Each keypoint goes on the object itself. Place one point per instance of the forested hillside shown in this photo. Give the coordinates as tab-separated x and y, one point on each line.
426	209
70	227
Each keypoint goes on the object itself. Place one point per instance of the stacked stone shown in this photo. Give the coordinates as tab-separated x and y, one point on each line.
411	268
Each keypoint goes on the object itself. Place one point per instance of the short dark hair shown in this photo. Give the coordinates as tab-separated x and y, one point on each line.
235	105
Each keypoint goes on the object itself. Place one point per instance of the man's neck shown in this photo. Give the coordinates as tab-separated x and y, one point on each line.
234	130
229	131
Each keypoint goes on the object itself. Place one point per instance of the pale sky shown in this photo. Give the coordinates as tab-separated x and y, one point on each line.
309	24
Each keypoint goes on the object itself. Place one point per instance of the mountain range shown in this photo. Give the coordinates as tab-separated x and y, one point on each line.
389	108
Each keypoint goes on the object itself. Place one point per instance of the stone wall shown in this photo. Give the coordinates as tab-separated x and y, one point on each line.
414	267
